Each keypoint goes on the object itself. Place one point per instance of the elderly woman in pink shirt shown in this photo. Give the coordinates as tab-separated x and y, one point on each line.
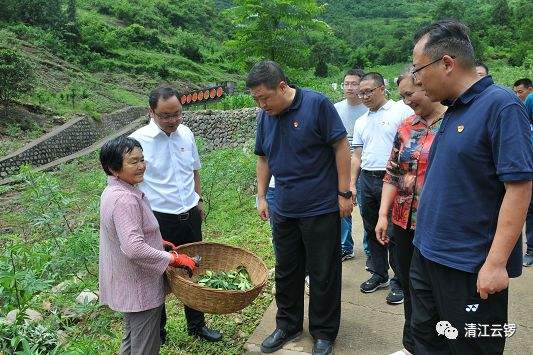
132	258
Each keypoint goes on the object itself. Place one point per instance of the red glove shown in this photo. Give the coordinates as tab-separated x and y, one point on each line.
183	261
168	246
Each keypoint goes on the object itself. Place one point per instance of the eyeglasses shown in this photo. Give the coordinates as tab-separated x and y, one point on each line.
413	73
368	93
169	117
407	96
352	84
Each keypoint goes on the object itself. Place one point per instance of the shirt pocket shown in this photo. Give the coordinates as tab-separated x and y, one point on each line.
184	155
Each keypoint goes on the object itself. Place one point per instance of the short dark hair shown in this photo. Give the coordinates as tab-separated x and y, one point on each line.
377	77
481	64
112	153
448	37
355	72
406	73
525	81
161	92
266	72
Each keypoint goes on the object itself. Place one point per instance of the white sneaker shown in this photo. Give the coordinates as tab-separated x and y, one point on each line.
404	351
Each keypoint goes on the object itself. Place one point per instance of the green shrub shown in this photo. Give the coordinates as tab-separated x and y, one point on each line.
135	35
16	73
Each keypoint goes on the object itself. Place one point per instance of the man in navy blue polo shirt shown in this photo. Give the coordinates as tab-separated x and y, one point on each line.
302	142
474	202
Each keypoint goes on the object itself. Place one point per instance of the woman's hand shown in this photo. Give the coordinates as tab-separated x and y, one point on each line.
381	230
183	261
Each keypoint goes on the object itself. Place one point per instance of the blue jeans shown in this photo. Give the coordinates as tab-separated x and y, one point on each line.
346	234
359	199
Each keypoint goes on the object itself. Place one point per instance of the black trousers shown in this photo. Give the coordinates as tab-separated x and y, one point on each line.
440	293
315	240
371	187
182	229
402	249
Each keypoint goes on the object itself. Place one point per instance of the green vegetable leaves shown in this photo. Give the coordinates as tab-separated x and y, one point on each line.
230	280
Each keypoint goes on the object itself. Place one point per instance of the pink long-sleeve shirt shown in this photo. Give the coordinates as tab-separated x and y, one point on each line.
132	261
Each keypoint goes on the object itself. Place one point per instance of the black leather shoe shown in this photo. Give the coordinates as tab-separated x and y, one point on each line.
276	340
206	333
322	347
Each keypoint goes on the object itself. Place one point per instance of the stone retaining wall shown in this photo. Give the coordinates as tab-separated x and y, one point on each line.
216	128
71	137
222	128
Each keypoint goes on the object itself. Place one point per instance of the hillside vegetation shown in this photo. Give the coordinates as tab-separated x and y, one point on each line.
96	56
68	57
106	53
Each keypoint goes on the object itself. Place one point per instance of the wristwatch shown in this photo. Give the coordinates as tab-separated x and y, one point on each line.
345	194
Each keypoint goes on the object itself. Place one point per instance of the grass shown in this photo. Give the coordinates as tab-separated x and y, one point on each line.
51	221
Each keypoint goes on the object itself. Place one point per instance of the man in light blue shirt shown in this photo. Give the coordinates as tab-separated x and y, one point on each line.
350	109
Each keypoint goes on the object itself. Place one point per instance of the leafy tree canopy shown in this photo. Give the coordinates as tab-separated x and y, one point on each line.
276	29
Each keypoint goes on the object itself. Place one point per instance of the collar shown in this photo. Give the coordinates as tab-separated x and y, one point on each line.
417	119
386	106
114	181
473	91
297	101
153	129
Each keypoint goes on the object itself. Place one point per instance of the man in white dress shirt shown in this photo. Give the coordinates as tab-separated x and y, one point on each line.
172	184
373	137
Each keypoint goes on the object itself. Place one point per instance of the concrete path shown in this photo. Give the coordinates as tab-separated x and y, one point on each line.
370	326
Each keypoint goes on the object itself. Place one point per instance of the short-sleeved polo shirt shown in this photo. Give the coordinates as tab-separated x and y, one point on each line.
374	131
483	142
298	146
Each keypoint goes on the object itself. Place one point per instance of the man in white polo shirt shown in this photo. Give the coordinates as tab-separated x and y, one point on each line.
373	136
172	184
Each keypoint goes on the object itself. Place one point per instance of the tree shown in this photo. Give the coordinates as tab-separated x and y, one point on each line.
447	9
71	11
17	75
41	13
275	29
321	69
501	14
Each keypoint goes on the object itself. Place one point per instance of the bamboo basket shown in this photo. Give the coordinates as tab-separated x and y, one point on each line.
217	257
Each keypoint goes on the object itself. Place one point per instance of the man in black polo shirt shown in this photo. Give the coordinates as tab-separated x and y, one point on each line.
302	142
474	202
